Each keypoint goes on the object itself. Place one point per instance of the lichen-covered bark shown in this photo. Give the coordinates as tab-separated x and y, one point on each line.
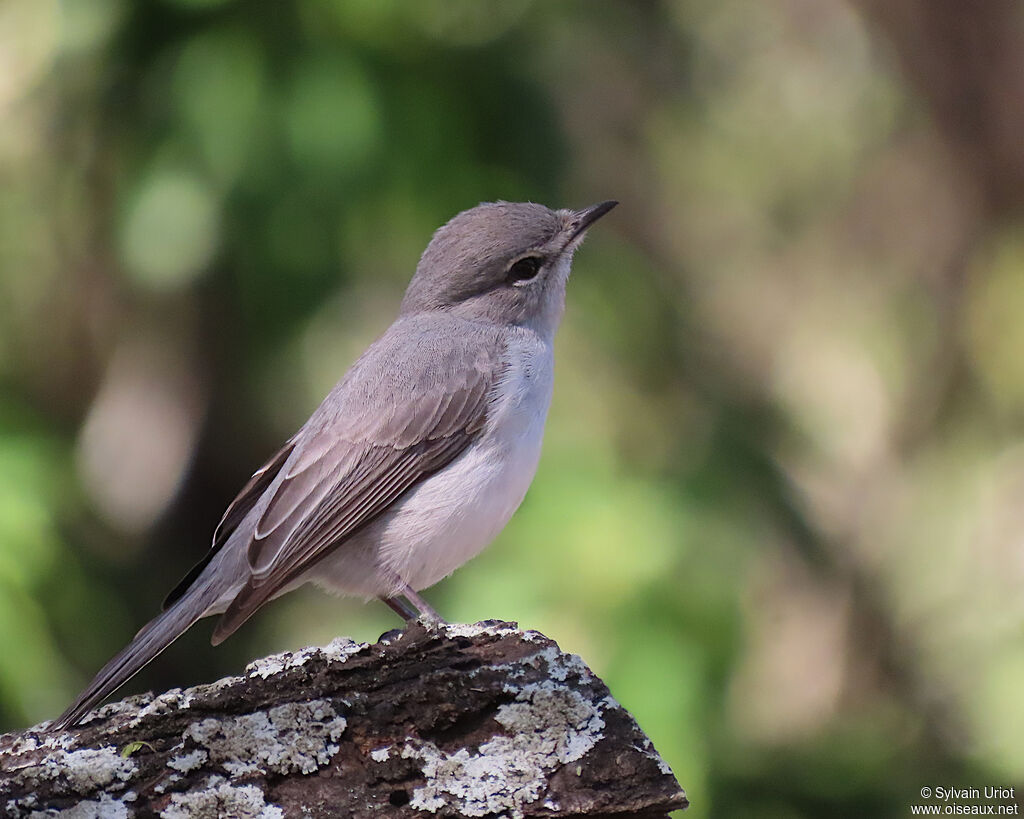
483	720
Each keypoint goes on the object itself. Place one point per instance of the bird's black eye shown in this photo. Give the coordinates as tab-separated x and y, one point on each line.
524	270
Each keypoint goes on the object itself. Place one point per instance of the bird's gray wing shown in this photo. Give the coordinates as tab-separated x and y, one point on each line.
407	408
234	515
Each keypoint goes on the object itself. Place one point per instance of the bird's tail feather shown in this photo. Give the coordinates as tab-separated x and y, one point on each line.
152	639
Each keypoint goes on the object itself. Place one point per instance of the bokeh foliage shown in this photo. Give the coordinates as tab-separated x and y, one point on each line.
779	504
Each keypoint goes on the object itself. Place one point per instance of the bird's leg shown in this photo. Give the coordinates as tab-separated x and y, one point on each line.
401	607
411	607
407	604
426	611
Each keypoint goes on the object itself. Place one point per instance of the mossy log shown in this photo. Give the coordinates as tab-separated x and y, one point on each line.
455	720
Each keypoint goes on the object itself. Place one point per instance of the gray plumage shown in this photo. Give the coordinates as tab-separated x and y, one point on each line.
416	459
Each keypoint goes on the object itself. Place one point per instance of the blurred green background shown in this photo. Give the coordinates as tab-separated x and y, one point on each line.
780	507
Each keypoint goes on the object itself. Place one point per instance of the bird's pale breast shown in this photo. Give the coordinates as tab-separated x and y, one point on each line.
452	515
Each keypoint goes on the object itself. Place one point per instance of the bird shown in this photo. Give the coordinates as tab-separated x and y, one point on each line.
415	460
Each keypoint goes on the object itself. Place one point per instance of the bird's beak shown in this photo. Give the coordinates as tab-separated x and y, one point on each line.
586	217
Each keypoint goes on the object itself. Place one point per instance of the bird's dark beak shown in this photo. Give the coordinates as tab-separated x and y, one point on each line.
586	217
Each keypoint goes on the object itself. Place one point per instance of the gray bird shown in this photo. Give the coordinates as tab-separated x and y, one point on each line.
416	459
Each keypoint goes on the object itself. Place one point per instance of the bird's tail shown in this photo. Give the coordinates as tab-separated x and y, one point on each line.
153	638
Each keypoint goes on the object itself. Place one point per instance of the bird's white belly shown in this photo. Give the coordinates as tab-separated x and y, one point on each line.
451	516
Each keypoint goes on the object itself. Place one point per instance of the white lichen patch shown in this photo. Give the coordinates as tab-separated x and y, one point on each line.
221	798
653	755
106	807
380	754
553	713
36	738
299	736
92	768
173	700
551	662
471	630
561	666
550	725
341	648
186	763
129	705
338	650
15	807
161	787
85	771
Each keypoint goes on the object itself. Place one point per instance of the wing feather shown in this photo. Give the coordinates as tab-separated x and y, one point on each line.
236	512
379	433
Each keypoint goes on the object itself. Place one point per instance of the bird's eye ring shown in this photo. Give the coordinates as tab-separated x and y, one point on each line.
524	270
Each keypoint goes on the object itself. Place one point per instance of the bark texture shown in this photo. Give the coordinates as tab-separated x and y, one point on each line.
483	720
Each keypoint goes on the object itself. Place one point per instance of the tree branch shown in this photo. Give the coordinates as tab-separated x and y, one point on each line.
454	721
